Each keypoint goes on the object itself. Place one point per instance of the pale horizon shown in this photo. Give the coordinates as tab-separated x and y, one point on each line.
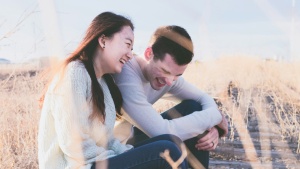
266	29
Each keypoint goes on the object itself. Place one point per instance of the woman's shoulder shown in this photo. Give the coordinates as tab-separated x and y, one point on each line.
76	69
77	64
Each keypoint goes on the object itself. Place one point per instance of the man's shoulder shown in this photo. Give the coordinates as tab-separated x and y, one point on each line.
132	64
131	70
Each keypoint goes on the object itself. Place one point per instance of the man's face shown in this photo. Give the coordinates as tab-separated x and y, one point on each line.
163	72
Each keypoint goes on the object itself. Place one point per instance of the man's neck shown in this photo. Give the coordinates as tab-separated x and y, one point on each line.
142	63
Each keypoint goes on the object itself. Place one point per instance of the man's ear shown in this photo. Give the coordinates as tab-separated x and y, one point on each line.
101	41
148	54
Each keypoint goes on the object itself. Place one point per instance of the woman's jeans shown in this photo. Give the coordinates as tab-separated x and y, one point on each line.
184	108
146	155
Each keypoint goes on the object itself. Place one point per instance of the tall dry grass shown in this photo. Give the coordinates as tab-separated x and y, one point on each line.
19	117
245	87
265	88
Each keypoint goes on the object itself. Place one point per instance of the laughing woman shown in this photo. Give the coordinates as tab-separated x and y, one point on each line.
81	103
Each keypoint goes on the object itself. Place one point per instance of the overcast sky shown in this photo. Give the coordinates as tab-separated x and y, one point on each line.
265	28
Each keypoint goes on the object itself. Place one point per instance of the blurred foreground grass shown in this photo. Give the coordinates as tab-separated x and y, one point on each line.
243	87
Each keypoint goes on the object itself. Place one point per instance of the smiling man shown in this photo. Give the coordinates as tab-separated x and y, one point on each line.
144	80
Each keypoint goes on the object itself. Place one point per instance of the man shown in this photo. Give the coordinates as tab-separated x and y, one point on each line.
144	80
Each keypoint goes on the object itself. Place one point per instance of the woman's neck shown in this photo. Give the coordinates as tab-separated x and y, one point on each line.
97	65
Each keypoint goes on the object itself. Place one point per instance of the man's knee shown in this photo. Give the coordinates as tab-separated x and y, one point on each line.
192	103
184	108
188	106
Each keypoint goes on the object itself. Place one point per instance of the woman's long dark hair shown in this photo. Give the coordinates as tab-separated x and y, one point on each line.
106	23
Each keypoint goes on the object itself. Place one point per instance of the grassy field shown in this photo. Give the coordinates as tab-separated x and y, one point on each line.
249	91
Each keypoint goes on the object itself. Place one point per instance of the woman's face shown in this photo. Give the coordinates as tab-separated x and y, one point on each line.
118	50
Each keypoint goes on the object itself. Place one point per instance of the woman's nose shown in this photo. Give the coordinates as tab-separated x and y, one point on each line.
129	54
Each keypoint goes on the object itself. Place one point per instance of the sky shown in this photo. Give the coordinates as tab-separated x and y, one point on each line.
263	28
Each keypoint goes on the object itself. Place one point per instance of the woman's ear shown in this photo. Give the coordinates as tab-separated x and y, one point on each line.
101	41
148	54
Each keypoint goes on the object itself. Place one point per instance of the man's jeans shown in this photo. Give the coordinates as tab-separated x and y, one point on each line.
146	155
184	108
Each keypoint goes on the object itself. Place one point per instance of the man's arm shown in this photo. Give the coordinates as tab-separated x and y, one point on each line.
141	113
184	90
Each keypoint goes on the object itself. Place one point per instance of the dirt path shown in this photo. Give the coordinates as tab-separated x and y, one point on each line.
265	149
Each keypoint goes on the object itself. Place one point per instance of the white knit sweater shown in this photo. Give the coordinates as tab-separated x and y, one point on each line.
67	137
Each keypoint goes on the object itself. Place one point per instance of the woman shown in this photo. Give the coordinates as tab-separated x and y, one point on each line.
80	104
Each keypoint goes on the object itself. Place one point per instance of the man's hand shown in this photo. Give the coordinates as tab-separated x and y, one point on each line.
223	127
209	141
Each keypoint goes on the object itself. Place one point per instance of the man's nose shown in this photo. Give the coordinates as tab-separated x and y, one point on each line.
169	80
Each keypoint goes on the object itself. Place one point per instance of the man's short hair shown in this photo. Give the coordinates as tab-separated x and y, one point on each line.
173	40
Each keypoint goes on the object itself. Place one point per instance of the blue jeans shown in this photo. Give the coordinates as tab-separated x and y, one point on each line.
146	155
184	108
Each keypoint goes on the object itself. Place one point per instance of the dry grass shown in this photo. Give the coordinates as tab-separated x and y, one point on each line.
19	117
245	87
251	86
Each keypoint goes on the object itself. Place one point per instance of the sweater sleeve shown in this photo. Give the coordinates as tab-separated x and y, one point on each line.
71	114
142	114
117	146
183	90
